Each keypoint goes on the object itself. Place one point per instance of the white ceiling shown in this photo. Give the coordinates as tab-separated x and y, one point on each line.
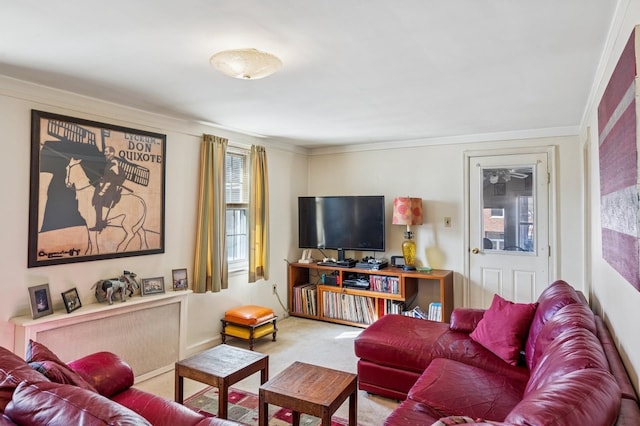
355	71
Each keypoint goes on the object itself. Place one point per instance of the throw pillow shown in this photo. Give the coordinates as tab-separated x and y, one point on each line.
503	328
48	403
41	359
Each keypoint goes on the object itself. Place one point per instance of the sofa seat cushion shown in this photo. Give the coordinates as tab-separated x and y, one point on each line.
47	403
410	412
14	370
399	341
504	328
581	397
453	388
46	362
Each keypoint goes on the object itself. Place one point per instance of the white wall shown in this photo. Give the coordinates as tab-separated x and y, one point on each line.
287	177
614	298
435	172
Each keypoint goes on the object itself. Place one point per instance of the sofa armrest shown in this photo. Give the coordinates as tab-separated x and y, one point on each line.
107	372
465	319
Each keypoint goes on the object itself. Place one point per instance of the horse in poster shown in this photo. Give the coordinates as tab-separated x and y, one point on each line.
128	214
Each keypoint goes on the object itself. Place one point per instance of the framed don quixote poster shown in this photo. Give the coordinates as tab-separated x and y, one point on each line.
97	191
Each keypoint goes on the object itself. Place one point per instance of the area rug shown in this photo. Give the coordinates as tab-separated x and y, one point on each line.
243	408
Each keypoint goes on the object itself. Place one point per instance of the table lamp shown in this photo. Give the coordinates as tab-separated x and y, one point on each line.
408	211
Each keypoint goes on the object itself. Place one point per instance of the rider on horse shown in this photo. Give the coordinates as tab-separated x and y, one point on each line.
107	192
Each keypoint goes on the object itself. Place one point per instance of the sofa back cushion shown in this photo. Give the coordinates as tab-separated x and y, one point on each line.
552	299
14	370
576	315
48	403
581	397
574	349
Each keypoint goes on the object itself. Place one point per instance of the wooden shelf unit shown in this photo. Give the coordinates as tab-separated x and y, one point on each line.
373	302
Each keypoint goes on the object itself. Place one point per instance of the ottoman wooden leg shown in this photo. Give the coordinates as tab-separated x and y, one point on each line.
275	330
223	335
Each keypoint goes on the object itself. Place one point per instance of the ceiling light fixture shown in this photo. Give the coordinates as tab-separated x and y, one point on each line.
246	64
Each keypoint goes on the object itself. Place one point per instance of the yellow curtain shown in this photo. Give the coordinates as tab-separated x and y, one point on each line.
210	265
258	216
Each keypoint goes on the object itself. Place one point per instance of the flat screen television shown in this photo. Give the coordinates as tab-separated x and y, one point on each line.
342	223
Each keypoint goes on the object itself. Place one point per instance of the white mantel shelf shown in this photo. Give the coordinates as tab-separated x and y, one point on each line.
97	310
27	328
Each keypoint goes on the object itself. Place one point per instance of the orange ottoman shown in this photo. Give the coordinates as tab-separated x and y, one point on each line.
249	322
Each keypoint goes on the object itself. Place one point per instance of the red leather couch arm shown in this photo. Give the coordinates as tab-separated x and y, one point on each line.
465	319
107	372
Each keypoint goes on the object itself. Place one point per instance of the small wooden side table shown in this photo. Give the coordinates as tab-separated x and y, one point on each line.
310	389
221	366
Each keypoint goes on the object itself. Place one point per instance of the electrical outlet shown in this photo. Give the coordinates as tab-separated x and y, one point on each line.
274	287
447	222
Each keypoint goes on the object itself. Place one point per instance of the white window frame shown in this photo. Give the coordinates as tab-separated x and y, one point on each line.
237	200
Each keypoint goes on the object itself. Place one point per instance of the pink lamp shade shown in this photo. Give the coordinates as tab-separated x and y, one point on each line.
407	211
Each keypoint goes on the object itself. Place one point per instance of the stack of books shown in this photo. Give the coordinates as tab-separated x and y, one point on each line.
434	313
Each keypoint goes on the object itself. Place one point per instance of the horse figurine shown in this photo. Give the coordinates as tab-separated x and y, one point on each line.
106	289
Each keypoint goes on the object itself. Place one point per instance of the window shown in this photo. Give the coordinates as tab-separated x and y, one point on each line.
497	212
237	195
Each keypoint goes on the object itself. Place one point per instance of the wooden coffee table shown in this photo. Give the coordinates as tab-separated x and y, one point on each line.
310	389
221	367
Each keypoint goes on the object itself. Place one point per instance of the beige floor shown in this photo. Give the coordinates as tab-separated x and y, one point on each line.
298	339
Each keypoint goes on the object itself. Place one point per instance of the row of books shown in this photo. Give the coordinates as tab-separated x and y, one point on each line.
433	314
387	306
349	307
304	299
384	284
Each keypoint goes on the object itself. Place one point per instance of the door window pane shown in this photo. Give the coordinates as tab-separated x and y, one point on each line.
508	211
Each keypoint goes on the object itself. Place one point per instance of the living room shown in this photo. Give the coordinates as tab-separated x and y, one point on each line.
434	166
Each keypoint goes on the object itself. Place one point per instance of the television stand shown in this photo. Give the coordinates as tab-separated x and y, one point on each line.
391	291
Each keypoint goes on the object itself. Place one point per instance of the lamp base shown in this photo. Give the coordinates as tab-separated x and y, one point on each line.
408	268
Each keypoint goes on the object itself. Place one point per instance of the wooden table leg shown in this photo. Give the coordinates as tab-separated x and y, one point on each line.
326	418
353	408
263	410
179	389
264	373
296	418
223	395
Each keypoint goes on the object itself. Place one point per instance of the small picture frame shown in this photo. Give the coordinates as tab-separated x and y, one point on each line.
180	279
71	300
152	286
40	297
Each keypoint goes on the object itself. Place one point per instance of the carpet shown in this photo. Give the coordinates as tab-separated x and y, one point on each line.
243	408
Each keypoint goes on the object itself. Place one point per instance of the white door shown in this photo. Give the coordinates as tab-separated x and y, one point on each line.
508	227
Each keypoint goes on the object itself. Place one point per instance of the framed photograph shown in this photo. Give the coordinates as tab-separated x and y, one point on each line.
152	286
40	301
97	191
71	300
179	279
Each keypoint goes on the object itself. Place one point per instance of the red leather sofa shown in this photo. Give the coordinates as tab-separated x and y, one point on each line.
566	371
94	390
